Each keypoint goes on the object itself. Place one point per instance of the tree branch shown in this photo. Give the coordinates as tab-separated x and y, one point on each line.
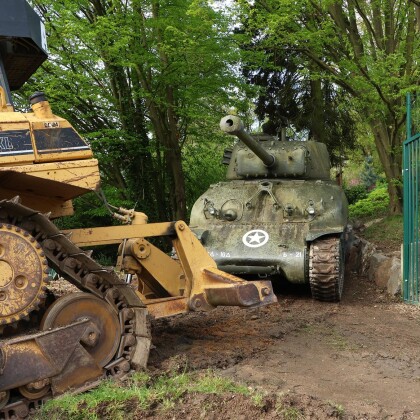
324	66
376	30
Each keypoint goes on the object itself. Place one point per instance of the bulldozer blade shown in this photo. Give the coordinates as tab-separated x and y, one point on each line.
223	289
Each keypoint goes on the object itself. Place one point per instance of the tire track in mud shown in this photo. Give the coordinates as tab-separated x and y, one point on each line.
362	354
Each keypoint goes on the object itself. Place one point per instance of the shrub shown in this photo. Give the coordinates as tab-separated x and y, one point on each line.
376	203
356	193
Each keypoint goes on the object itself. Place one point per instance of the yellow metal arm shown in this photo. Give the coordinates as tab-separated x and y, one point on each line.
189	281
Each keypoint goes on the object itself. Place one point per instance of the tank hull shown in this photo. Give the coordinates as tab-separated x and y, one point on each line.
265	227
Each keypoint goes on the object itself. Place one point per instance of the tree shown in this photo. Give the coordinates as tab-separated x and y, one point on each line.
368	176
290	98
370	48
139	79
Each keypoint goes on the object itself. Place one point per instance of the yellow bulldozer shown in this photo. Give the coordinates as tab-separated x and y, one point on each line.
53	343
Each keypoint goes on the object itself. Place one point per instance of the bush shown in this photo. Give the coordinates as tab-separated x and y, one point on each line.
356	193
376	203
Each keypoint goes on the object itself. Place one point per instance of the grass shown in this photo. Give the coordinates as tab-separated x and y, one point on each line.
291	413
113	399
258	399
375	206
338	410
389	229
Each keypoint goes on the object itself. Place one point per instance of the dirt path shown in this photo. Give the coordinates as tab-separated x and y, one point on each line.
361	356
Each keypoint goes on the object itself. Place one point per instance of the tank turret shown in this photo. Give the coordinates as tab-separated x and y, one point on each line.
264	156
233	125
278	213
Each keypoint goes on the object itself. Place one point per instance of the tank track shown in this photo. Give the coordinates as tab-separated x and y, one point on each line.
326	269
76	266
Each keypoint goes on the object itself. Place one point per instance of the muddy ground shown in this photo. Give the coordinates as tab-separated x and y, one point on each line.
356	359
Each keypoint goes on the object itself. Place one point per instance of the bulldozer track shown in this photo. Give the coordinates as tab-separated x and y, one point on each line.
326	269
76	266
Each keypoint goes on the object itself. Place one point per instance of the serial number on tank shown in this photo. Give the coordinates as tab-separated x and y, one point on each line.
292	254
221	254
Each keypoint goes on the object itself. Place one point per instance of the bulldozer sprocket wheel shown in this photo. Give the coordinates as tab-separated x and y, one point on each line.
114	304
326	269
23	274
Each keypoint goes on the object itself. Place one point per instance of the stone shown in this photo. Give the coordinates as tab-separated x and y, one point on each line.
353	256
395	277
384	270
386	273
379	266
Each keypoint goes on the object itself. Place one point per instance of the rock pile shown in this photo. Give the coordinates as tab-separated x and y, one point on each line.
363	258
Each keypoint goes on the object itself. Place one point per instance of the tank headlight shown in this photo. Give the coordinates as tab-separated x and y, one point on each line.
210	209
311	209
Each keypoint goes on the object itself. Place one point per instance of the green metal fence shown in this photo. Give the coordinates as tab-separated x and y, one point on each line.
411	176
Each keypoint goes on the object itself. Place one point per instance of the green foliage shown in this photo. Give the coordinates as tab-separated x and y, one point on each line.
115	400
90	210
110	397
291	98
355	157
356	193
376	203
142	81
202	161
389	229
373	58
368	175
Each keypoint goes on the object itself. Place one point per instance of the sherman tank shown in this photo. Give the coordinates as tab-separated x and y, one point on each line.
278	214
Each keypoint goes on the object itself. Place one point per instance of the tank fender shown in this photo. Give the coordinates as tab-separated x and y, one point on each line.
315	234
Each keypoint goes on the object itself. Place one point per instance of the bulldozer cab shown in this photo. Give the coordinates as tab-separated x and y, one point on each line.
39	152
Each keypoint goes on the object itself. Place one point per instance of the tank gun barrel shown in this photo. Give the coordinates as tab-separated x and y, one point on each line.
233	125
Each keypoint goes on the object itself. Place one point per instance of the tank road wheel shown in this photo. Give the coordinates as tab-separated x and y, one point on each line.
326	269
23	274
76	306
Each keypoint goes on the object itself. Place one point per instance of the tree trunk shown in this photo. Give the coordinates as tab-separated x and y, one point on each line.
388	145
178	197
317	112
167	135
175	157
